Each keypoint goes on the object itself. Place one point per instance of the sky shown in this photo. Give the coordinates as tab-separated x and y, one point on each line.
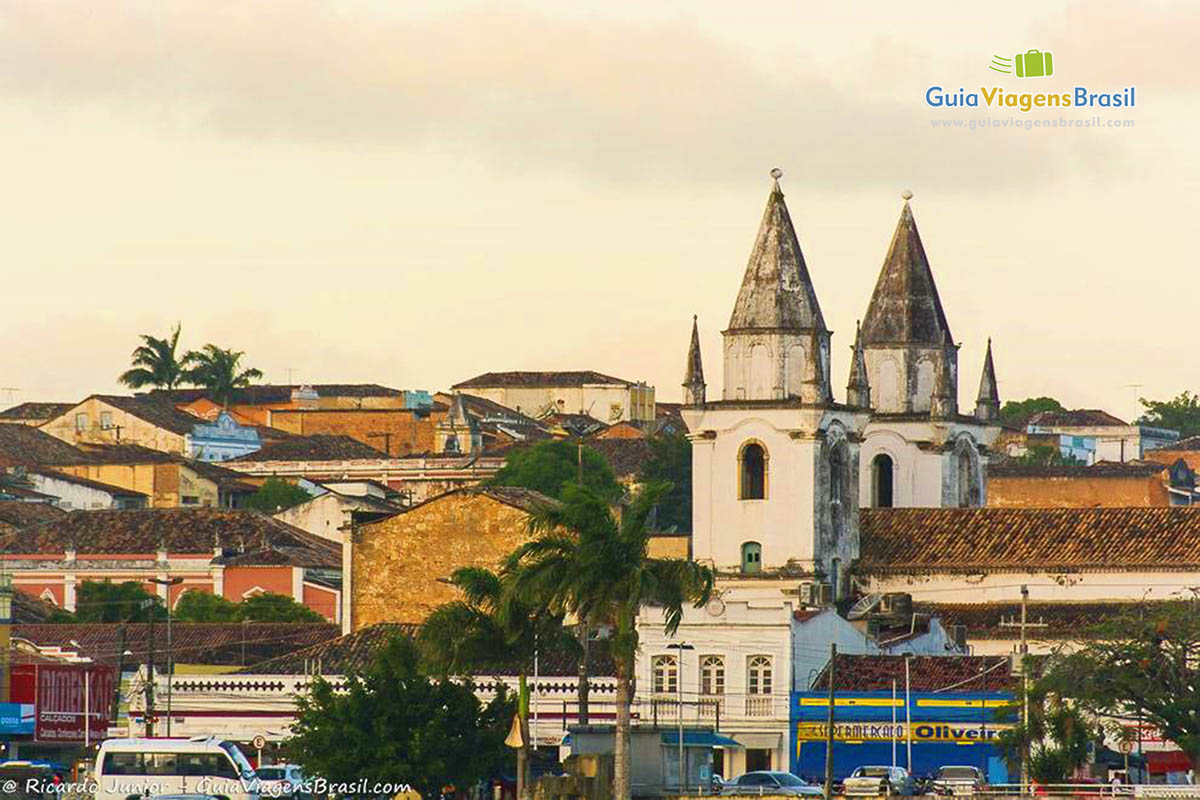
414	193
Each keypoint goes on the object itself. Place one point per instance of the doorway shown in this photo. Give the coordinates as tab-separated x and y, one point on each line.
757	759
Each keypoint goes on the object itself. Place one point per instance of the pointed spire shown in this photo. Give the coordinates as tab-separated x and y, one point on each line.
777	292
944	403
858	390
693	376
987	405
905	307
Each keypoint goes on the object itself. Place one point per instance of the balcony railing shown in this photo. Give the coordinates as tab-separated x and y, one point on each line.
759	705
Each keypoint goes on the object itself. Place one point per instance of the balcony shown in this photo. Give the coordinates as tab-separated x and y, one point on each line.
759	705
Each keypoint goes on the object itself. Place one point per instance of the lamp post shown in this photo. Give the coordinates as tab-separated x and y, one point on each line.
168	583
680	646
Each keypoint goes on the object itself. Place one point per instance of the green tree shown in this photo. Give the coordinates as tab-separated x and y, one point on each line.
1145	664
1055	737
671	463
156	363
491	628
219	371
1180	413
585	562
104	601
393	724
1018	412
275	495
196	606
272	607
551	466
1046	455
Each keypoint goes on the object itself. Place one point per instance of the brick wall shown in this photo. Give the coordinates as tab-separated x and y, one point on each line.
407	432
1076	492
397	562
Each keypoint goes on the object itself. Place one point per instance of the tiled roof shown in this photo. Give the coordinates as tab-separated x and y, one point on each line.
1076	418
116	491
18	514
1102	469
1190	443
927	673
220	643
1048	620
267	393
180	530
36	411
157	412
22	445
226	479
125	454
354	652
549	378
973	539
27	609
516	496
319	447
625	457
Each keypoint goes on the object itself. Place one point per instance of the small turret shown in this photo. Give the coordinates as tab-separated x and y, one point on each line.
693	376
987	405
858	390
944	404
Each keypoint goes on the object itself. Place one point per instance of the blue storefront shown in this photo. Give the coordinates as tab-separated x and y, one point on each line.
946	729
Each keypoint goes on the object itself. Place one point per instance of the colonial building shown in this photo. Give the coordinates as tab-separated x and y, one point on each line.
539	394
1091	435
1104	484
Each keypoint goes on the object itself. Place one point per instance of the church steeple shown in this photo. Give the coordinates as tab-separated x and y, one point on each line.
987	405
858	390
693	377
944	403
777	345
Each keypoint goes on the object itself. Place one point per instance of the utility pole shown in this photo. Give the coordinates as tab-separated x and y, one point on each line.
829	721
1025	684
583	676
167	583
116	703
908	709
150	677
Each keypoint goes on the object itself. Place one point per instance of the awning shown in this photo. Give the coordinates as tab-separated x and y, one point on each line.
1163	761
699	739
759	741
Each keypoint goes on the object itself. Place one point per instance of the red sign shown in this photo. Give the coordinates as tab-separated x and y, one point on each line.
67	695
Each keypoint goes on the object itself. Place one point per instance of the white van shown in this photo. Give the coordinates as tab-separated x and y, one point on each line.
127	769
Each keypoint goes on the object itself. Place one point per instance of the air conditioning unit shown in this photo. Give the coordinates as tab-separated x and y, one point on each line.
958	634
825	594
809	594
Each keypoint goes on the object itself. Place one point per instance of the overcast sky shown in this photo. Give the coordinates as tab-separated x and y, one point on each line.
413	193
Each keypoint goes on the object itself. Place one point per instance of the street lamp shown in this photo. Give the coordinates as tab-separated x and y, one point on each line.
168	583
680	646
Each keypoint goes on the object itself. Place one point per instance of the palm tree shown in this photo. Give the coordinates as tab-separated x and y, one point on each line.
491	628
155	363
588	563
219	371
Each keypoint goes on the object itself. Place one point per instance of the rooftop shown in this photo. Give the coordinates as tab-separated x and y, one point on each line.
1101	469
1049	620
267	393
975	539
23	445
1076	418
65	477
19	514
35	411
547	378
152	409
318	447
926	673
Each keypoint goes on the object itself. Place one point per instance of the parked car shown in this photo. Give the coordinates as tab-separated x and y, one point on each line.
280	780
952	780
772	782
876	781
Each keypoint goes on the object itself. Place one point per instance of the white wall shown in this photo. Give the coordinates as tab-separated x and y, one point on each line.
1065	587
71	495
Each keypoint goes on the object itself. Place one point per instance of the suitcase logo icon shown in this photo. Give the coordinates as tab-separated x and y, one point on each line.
1030	64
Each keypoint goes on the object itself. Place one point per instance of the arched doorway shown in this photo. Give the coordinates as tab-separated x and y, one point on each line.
883	481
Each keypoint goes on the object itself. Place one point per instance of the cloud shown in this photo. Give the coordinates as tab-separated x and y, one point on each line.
626	101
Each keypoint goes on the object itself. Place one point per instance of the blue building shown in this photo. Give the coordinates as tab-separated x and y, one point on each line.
222	439
873	728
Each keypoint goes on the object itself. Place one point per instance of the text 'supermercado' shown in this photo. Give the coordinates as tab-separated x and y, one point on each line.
869	727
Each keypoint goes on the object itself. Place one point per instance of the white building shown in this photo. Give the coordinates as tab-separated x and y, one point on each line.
73	493
1091	435
539	394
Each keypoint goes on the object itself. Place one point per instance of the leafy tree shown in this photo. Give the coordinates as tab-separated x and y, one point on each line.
585	562
1018	412
104	601
1180	413
1046	455
491	629
219	371
156	363
1144	663
1055	737
196	606
272	607
671	463
551	466
276	495
393	724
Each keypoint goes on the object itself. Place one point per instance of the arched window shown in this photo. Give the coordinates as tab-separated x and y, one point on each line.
664	674
882	481
839	485
968	482
923	400
751	557
752	480
758	675
712	675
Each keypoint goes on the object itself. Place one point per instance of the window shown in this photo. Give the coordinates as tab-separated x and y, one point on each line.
839	486
882	481
81	421
451	444
106	420
665	675
752	557
753	477
712	675
758	675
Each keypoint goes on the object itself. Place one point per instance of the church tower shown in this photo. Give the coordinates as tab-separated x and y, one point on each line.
774	462
918	450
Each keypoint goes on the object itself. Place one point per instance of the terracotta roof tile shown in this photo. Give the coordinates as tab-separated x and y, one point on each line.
972	539
320	447
18	514
1076	418
549	378
1049	620
625	457
927	673
22	445
157	412
1102	469
34	411
263	394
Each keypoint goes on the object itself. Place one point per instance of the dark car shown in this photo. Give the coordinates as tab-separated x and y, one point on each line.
772	782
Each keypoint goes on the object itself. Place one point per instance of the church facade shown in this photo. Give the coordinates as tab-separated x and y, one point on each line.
780	466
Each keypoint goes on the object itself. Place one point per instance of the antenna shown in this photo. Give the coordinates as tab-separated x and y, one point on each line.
11	391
